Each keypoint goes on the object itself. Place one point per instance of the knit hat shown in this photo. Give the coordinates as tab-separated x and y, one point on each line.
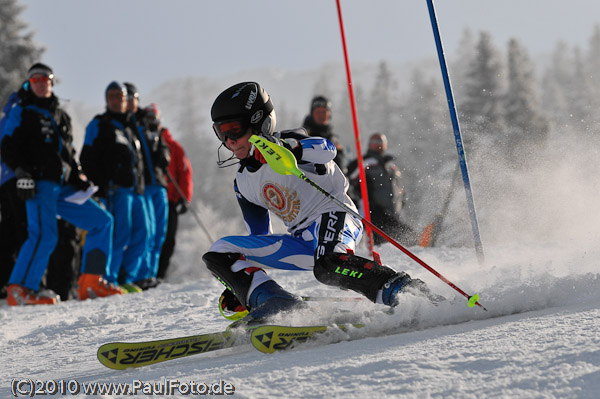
320	101
40	69
378	142
114	85
132	91
152	110
152	117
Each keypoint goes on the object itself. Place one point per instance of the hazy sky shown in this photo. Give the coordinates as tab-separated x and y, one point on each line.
89	43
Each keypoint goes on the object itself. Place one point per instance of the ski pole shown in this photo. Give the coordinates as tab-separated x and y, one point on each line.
432	230
189	205
283	162
457	134
359	157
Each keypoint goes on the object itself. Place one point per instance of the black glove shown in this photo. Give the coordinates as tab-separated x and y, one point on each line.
182	206
25	185
294	146
163	162
80	182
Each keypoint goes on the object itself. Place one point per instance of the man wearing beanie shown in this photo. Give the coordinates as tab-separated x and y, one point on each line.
318	123
37	145
111	156
156	160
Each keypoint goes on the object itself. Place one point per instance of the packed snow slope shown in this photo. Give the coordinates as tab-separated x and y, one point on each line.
540	337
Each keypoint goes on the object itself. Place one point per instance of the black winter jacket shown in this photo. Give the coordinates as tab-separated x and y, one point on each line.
111	155
156	152
39	140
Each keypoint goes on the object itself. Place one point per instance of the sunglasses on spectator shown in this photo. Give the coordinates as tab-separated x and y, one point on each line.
38	79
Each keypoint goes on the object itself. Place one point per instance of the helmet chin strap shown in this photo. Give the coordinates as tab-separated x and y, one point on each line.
226	162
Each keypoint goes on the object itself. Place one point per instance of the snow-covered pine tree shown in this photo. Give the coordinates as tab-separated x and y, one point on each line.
459	66
593	65
482	122
381	104
557	86
527	128
17	48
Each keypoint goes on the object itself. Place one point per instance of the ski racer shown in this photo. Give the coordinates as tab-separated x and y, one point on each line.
321	235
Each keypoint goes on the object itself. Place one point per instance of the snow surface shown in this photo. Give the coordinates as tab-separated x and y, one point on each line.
540	337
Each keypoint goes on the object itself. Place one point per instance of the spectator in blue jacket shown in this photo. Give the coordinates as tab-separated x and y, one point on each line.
37	146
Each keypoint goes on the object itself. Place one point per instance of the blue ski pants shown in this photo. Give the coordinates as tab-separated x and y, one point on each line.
42	211
130	242
332	232
158	214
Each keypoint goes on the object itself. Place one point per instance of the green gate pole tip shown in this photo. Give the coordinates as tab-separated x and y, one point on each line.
473	300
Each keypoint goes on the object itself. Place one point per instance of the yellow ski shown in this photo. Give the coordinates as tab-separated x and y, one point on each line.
273	338
123	355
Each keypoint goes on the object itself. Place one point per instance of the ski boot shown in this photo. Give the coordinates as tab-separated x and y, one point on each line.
266	301
147	283
130	288
403	283
94	286
18	296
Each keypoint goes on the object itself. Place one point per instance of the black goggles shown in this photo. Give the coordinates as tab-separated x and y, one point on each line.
233	129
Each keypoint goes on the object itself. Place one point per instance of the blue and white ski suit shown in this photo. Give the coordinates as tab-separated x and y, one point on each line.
316	225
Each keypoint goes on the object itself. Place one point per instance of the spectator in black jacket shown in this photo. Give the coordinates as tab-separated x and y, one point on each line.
318	123
37	145
385	191
156	160
112	158
13	215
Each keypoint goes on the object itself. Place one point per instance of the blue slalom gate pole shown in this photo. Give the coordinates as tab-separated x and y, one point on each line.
457	135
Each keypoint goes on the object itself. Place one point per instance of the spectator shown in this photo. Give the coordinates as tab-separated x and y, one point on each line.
111	156
156	161
13	216
322	235
385	191
180	182
65	261
37	145
318	123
